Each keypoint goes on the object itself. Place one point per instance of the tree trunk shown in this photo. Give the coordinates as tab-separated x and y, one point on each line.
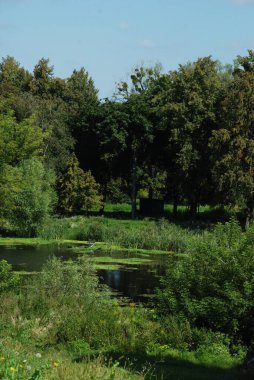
134	188
175	205
104	195
249	214
193	209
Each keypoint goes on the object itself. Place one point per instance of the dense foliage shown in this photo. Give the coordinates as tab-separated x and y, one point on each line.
213	286
184	136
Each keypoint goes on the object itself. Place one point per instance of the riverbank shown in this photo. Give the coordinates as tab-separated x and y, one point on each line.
143	236
42	337
80	246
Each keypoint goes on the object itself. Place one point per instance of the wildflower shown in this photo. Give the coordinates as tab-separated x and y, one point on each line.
38	355
12	369
28	367
55	364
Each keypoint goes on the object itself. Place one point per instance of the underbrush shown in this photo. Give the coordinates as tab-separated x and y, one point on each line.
61	324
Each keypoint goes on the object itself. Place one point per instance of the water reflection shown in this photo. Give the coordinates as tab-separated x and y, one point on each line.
136	282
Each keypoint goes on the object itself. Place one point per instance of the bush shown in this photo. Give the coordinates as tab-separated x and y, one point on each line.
213	286
8	279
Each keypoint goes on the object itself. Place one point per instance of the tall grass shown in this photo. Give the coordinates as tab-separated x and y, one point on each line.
160	235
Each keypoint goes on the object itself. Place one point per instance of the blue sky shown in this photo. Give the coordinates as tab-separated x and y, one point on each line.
110	37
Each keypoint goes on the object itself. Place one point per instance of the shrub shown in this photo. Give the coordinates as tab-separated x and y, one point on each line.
213	286
8	279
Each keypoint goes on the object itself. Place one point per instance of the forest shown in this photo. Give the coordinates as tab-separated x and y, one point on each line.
68	160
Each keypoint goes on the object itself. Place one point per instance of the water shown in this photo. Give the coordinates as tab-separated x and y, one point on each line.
136	279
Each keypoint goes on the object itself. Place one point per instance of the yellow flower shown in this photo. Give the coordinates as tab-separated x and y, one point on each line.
12	369
55	364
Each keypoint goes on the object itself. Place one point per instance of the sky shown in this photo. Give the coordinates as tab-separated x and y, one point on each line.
109	38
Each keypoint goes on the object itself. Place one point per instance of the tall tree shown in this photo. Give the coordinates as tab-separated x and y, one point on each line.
140	126
187	105
82	104
233	142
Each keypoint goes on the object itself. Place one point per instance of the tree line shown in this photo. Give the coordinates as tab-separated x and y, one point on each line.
185	136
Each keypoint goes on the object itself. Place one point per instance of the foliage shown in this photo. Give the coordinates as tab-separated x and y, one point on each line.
8	279
213	286
78	189
187	105
34	200
232	143
47	338
159	235
18	140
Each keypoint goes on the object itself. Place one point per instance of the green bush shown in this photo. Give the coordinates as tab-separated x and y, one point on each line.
8	279
213	286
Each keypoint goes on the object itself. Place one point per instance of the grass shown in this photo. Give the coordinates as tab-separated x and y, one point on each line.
145	236
137	235
24	241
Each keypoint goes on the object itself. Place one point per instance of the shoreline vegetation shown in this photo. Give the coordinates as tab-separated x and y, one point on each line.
43	338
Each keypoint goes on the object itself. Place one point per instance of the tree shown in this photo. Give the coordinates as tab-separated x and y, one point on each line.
187	104
35	199
141	128
112	131
233	143
18	141
42	78
26	191
82	106
78	189
13	78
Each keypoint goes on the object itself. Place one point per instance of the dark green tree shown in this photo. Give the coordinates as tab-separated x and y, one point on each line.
233	143
187	105
141	127
82	105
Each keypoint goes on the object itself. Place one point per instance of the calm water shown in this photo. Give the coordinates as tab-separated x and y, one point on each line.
135	281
